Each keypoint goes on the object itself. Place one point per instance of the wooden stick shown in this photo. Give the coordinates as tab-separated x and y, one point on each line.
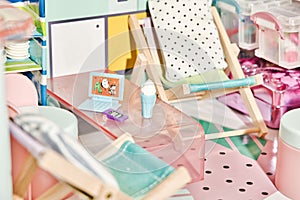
182	92
25	177
142	46
138	69
178	179
66	172
224	134
116	144
237	72
16	197
235	49
57	191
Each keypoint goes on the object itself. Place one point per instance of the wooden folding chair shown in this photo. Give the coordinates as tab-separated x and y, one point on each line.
149	60
74	179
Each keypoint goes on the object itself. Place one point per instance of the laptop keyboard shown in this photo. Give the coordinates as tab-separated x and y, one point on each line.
97	106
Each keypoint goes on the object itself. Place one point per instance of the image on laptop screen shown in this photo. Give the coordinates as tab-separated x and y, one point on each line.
105	91
105	85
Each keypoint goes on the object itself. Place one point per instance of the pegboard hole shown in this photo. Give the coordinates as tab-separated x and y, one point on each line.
269	173
249	183
249	165
226	166
242	190
205	188
228	181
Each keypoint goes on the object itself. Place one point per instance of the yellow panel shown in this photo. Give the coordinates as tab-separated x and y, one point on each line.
120	56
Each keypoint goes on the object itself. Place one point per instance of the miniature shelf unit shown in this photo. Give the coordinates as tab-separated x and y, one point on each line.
33	66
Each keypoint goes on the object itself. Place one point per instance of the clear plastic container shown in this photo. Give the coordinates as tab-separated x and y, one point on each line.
229	11
235	15
279	35
170	134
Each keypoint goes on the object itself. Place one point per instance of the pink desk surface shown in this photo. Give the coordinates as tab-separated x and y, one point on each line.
170	134
234	168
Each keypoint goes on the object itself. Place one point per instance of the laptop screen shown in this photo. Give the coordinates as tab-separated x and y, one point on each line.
106	86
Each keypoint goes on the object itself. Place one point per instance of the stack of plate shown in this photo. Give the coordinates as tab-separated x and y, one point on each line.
17	50
2	56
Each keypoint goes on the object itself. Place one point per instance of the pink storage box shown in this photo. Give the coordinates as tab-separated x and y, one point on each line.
279	93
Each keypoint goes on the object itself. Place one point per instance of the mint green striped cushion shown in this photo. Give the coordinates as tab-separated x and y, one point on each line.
137	171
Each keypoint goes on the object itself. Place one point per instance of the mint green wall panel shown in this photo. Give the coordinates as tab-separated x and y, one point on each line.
142	4
70	9
122	6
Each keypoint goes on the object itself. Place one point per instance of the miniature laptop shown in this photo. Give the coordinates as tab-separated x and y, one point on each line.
105	91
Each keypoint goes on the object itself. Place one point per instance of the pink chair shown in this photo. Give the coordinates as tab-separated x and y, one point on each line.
21	92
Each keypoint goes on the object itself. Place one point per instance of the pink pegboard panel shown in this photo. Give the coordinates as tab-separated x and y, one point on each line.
267	159
230	175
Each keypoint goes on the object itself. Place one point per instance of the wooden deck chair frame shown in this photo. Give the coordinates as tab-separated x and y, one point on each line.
74	180
145	62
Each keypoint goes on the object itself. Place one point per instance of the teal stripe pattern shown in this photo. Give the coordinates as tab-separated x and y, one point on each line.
137	171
